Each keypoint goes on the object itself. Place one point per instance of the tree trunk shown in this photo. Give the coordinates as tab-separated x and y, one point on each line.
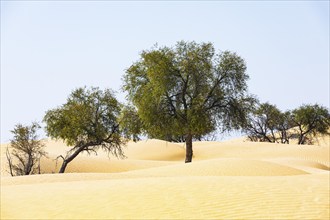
301	135
189	150
301	139
39	169
63	167
70	158
284	137
273	137
29	165
267	138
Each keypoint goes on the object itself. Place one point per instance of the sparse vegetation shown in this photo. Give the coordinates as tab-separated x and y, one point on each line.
262	123
188	91
178	94
87	121
130	123
268	124
284	127
310	120
25	150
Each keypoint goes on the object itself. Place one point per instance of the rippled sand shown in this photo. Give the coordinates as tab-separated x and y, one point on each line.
226	180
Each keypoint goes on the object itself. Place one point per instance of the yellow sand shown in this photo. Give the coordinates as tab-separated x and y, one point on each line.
226	180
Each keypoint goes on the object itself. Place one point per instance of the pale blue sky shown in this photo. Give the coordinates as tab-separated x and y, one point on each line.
48	48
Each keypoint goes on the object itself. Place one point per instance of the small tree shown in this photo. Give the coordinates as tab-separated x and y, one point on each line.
263	123
25	151
87	121
311	120
188	91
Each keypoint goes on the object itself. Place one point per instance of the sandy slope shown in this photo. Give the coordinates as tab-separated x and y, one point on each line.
226	180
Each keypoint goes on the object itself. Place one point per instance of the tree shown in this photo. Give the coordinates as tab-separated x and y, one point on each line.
264	122
188	90
311	120
131	124
25	151
87	121
283	126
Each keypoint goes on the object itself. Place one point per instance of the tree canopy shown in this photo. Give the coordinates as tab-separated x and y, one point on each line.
311	120
263	122
267	123
188	90
87	121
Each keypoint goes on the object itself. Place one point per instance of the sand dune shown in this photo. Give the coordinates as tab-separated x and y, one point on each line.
172	197
155	150
227	180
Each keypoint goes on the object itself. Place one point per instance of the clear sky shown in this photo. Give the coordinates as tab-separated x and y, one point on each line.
49	48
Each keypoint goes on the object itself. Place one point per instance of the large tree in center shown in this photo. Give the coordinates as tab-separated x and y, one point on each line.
188	90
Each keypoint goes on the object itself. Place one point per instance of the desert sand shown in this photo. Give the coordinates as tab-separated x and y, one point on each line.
233	179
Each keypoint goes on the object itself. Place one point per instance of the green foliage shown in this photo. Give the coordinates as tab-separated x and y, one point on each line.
87	116
188	89
263	122
268	123
87	121
176	91
311	120
130	123
25	150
